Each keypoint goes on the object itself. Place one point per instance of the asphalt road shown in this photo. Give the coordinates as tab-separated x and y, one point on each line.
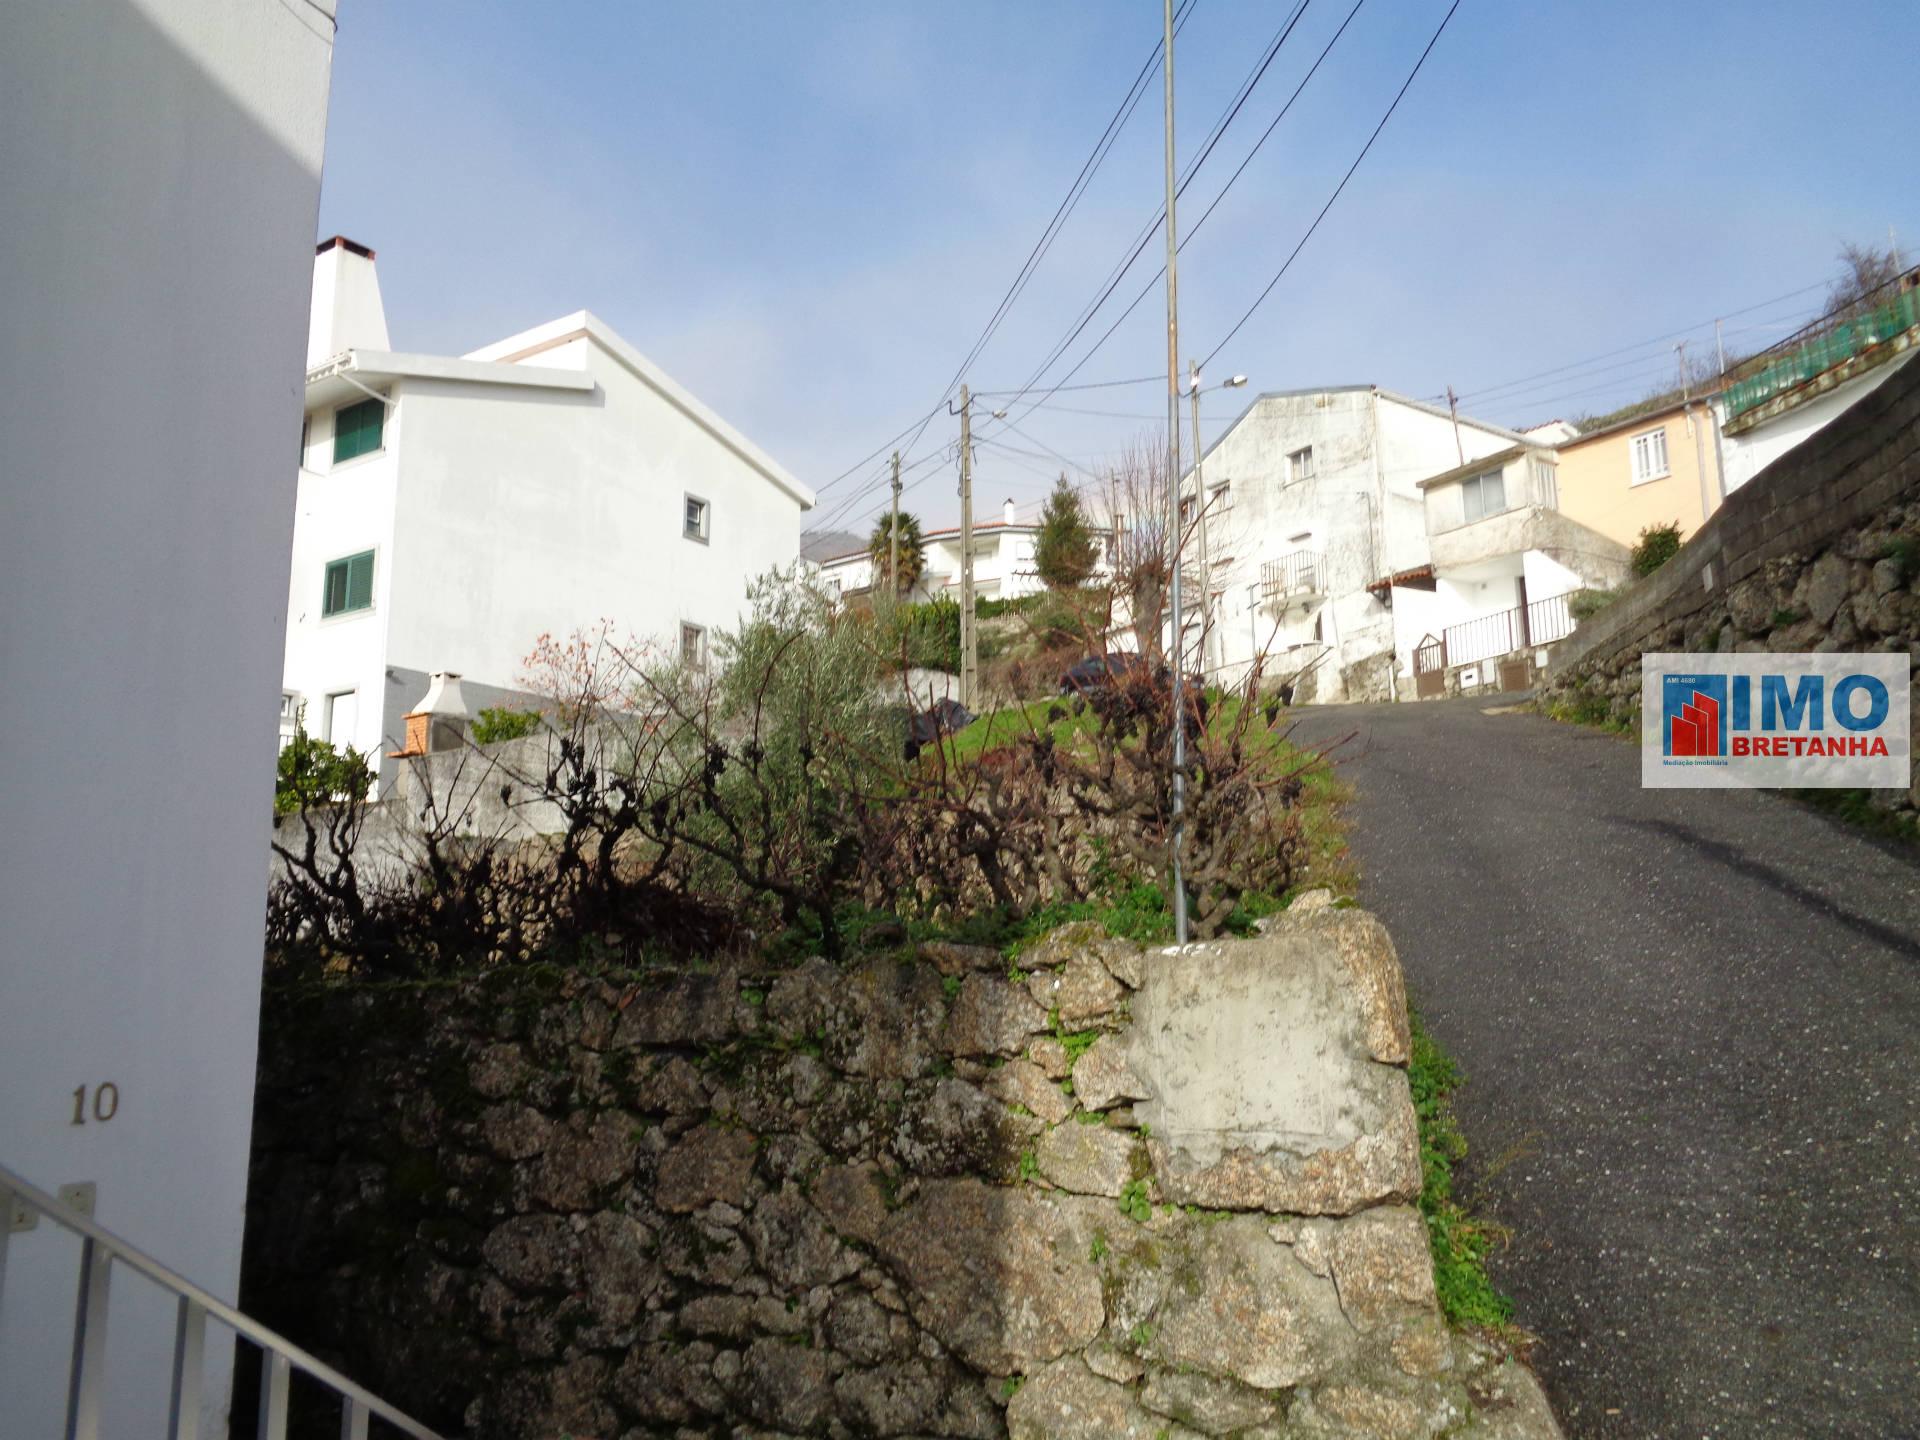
1691	1025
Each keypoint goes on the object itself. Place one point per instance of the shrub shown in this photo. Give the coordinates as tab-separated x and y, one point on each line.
1657	545
925	636
497	723
313	772
1585	604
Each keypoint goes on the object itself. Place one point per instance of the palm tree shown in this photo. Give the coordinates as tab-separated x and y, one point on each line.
912	561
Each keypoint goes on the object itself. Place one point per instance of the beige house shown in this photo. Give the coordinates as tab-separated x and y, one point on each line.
1655	469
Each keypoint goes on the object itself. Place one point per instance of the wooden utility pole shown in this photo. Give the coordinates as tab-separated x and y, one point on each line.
969	659
1200	500
893	536
1453	408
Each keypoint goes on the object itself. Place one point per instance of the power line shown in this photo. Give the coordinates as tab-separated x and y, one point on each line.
1147	289
1411	76
1071	200
1159	219
1085	385
1061	213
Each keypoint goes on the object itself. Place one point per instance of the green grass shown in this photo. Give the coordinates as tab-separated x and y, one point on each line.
1856	808
1460	1242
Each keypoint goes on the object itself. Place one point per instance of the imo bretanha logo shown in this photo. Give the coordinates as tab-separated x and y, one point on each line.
1789	721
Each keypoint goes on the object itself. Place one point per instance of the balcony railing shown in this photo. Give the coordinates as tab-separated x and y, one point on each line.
102	1256
1491	636
1301	573
1796	362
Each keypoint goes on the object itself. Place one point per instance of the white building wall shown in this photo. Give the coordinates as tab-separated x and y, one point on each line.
161	167
1744	455
342	510
519	515
1361	511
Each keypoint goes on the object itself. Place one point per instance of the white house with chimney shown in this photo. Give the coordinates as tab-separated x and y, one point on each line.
453	509
1313	503
1003	562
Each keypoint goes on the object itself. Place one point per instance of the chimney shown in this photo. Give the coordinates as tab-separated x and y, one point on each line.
441	721
346	312
1006	511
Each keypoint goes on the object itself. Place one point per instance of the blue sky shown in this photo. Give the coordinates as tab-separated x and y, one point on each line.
807	212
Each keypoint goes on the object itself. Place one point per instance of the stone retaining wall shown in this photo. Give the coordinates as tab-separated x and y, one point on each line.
1110	1193
1819	552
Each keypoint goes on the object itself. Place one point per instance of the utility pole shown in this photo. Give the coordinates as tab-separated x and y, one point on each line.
1453	408
1200	499
1173	504
1686	389
969	661
1719	347
893	536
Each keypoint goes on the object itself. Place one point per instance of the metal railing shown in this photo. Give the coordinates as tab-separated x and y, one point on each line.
1795	362
1301	572
101	1253
1540	623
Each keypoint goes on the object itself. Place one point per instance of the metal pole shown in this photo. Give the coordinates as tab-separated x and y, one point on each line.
1719	347
1173	504
189	1360
1200	499
1453	408
893	536
84	1379
968	663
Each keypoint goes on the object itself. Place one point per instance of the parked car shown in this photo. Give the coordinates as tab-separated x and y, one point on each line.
943	717
1100	671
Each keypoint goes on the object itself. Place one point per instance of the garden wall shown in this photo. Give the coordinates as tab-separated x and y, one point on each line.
1108	1193
1819	552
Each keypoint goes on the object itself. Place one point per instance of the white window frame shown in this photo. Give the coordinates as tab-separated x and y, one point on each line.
701	530
1300	464
1644	473
698	635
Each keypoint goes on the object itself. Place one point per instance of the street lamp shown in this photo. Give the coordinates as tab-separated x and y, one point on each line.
1200	502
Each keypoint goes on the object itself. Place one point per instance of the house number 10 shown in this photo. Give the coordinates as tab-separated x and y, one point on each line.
106	1102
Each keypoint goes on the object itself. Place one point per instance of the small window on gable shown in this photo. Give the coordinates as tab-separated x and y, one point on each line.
1220	497
348	585
1650	456
1300	464
693	647
698	516
358	429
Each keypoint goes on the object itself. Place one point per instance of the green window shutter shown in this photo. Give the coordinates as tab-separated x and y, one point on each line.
360	581
357	429
349	585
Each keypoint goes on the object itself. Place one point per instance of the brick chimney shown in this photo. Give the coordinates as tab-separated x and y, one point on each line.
441	721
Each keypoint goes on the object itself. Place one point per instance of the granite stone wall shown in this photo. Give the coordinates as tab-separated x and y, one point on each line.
1101	1193
1818	552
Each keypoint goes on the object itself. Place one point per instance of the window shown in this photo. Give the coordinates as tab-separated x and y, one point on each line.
1650	456
349	585
1483	495
1546	485
1300	464
357	429
343	717
1220	497
693	647
695	524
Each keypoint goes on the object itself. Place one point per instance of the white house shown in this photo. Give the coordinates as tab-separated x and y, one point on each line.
1313	497
451	510
1808	379
162	173
1503	561
1003	567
